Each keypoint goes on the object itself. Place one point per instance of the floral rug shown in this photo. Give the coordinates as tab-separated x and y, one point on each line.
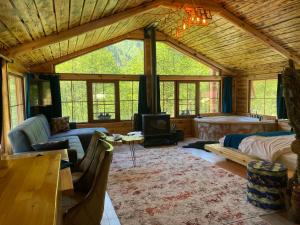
169	186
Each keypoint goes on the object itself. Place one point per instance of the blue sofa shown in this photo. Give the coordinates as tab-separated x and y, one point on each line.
36	130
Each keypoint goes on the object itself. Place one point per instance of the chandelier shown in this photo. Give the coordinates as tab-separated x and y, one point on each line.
197	16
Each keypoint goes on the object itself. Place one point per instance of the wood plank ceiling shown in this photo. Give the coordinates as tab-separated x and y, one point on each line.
22	21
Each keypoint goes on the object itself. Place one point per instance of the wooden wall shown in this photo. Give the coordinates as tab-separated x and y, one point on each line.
124	127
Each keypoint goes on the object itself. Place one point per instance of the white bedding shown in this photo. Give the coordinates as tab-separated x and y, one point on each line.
267	148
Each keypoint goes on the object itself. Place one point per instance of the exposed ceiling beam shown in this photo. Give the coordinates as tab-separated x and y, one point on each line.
102	22
195	54
137	34
84	28
268	41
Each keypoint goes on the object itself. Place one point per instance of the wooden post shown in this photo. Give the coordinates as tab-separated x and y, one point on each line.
5	110
150	67
291	84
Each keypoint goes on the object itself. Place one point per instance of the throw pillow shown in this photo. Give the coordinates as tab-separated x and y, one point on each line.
52	145
60	124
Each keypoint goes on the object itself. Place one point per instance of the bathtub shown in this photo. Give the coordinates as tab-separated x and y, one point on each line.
214	128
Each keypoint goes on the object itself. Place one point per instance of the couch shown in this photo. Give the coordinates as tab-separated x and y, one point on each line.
36	130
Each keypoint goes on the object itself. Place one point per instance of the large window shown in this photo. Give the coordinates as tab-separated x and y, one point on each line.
16	100
172	62
74	100
209	97
125	57
167	97
129	91
187	99
104	101
263	97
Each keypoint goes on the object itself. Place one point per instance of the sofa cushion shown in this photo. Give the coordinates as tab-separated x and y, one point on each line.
74	144
51	145
60	124
84	134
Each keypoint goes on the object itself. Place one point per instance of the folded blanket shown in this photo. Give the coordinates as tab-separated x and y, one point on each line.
234	140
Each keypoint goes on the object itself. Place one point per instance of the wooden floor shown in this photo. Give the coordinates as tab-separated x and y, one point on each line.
110	217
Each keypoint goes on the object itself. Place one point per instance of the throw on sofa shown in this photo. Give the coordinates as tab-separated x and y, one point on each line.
36	130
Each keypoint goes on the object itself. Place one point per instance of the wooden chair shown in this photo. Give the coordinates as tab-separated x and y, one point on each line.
83	183
89	210
82	167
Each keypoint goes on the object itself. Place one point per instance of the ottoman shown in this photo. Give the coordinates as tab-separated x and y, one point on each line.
266	184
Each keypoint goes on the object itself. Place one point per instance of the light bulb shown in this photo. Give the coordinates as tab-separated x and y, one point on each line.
184	26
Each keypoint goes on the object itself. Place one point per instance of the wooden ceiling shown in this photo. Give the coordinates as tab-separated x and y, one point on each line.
25	21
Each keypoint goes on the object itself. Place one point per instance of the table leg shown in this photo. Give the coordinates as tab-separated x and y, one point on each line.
132	151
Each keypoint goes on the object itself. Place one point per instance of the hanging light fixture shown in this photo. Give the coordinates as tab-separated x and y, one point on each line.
194	16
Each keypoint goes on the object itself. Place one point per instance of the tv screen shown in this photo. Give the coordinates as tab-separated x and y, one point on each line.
156	124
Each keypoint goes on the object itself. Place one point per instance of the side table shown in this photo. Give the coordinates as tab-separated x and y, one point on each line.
131	140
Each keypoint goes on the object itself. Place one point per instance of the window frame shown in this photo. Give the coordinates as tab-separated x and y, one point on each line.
250	83
174	83
72	80
18	97
104	78
90	101
220	95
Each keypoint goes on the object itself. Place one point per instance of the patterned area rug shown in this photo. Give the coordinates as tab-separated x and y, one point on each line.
170	186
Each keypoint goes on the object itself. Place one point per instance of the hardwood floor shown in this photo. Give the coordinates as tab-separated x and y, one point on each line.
280	218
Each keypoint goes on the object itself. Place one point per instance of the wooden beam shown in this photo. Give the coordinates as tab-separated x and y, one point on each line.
64	35
195	54
134	35
213	6
137	34
268	41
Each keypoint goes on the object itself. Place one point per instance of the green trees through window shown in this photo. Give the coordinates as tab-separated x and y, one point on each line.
126	57
129	93
167	97
263	97
117	99
172	62
74	100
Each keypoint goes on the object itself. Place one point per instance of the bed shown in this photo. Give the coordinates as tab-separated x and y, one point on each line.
254	147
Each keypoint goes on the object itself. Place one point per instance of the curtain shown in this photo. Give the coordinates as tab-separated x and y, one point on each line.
55	95
142	104
227	95
50	111
27	95
281	107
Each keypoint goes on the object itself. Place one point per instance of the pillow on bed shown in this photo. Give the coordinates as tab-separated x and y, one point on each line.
267	148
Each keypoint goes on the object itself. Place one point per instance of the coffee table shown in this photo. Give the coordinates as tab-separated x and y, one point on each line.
131	140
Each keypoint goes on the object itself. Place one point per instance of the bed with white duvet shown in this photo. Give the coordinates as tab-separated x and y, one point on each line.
273	149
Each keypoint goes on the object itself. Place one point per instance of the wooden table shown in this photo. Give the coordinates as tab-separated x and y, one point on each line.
131	140
29	190
66	182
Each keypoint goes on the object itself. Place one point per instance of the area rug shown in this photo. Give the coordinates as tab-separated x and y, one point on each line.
169	186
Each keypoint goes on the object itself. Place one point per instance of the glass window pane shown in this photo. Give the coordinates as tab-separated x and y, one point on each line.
74	100
187	99
209	97
16	100
125	57
167	97
172	62
128	99
263	97
103	101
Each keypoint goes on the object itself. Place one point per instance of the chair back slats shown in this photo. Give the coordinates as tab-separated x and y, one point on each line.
90	210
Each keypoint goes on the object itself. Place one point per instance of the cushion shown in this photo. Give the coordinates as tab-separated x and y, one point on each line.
51	145
74	144
60	124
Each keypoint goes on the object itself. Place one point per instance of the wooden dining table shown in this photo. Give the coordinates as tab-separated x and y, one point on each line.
31	185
